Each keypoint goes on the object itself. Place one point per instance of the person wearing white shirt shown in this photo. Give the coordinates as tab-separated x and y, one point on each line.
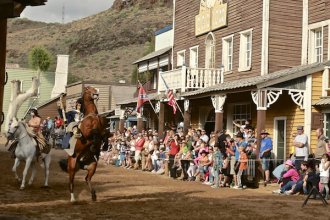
301	147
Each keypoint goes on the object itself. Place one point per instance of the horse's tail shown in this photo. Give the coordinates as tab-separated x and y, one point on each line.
63	164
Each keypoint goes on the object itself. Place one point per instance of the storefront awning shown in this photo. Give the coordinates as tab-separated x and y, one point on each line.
324	101
153	55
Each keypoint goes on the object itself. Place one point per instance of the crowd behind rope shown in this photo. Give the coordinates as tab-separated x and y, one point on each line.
218	160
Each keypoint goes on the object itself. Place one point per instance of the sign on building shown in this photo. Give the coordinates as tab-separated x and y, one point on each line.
212	15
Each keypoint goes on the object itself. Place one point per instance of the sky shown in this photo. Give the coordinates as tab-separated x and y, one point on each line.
74	10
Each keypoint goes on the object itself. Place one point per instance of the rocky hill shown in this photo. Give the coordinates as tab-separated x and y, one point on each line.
101	47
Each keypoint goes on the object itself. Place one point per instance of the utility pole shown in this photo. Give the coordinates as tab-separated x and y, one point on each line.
63	13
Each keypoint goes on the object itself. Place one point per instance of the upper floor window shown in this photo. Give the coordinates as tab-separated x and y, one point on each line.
210	51
193	62
316	45
227	53
180	58
245	52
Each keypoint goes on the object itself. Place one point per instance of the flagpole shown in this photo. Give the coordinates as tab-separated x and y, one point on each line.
173	94
150	102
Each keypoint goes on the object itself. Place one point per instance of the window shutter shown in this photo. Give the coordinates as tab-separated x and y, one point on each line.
317	120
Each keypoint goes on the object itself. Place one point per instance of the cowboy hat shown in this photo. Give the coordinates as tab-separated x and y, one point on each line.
264	132
204	152
239	135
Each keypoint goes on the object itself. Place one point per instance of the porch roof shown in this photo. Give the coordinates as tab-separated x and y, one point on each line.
322	102
151	96
153	55
262	81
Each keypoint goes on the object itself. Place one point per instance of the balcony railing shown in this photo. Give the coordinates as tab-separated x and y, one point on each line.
189	78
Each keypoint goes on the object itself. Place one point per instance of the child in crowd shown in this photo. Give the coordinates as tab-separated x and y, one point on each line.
324	174
122	150
154	158
243	159
224	173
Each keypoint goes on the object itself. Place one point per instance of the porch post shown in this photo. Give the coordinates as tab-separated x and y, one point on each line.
139	121
260	99
161	119
3	37
187	116
122	121
218	102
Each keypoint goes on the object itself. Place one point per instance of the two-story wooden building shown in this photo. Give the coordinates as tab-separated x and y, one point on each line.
262	60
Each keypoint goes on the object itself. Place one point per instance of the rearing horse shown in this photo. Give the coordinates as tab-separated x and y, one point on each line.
87	147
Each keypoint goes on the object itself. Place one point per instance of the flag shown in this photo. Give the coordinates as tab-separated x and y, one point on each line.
171	100
142	98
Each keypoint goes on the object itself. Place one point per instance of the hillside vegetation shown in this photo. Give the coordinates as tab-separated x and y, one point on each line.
101	47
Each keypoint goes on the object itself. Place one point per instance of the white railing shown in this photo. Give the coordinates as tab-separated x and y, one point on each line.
197	78
189	78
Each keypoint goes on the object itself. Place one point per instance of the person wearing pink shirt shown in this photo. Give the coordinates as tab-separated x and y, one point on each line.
291	174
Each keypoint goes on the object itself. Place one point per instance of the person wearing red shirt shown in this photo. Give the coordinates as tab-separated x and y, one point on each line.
174	149
138	148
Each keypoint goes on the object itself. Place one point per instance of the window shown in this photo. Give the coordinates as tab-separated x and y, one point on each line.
210	51
327	124
180	58
193	62
316	45
241	113
245	52
227	53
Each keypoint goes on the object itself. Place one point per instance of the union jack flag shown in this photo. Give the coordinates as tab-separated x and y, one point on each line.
171	100
142	98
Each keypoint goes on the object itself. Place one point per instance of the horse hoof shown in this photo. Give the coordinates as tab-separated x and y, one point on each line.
22	188
44	187
94	195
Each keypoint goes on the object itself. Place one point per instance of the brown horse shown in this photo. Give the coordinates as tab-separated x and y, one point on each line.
87	147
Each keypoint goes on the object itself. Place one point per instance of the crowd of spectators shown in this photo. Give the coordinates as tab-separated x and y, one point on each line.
217	159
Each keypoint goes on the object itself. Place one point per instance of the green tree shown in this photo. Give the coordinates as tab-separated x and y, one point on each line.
40	59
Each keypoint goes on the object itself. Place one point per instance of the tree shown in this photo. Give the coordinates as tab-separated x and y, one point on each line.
40	59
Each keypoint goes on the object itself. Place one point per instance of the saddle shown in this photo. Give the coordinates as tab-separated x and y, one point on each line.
42	145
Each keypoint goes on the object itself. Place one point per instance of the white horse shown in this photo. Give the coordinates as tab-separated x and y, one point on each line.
26	150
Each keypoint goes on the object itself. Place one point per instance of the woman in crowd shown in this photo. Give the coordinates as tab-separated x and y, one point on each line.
290	178
324	174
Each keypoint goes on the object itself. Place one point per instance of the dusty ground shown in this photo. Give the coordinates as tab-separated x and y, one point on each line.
128	194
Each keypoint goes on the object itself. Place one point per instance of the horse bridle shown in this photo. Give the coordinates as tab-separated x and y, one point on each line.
11	134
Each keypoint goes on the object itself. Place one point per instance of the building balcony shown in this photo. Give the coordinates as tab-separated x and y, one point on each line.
187	79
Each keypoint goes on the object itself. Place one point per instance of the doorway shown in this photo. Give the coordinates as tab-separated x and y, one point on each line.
279	146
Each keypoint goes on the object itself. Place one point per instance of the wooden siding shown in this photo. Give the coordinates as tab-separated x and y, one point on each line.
49	109
47	81
241	16
74	90
103	104
318	10
293	114
285	28
316	94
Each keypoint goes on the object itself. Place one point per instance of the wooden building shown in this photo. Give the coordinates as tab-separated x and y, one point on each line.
9	9
263	60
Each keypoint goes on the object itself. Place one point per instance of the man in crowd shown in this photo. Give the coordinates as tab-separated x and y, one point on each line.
266	148
301	147
321	146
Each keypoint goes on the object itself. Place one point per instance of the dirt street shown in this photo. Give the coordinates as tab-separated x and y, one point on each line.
128	194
